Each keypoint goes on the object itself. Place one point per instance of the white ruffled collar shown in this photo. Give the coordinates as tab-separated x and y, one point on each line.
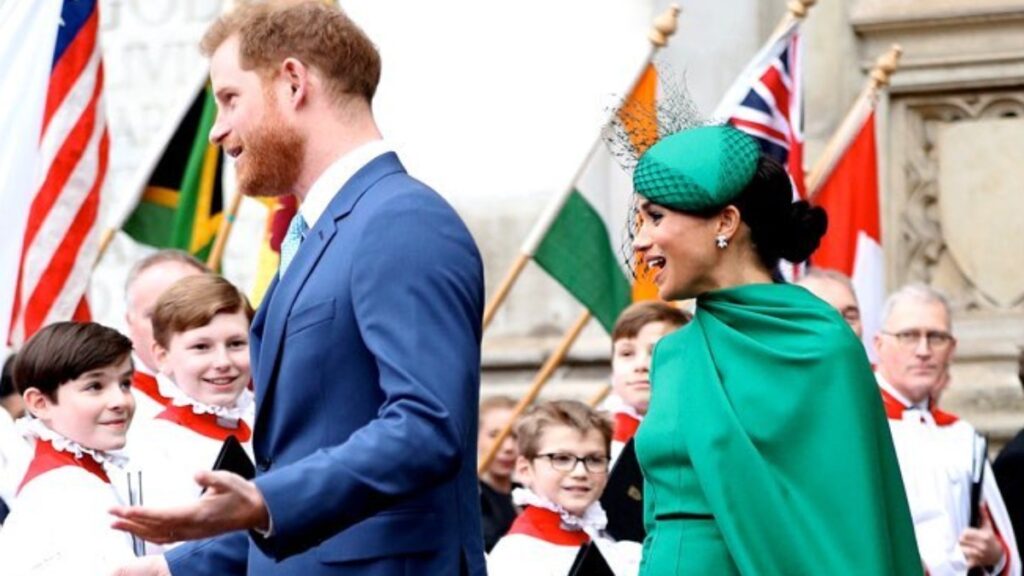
592	522
237	411
33	428
614	404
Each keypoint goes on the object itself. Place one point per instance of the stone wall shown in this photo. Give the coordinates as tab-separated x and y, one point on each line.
953	131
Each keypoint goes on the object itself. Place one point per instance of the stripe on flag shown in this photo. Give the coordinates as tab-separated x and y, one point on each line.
60	241
853	243
582	246
181	200
766	101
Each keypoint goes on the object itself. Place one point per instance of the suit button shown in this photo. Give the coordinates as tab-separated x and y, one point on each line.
263	464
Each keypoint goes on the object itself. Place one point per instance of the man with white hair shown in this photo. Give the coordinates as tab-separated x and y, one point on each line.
147	280
836	289
960	519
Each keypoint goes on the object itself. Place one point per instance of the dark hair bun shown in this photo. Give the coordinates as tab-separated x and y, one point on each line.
779	227
802	231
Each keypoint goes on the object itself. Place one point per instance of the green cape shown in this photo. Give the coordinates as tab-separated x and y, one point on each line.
765	414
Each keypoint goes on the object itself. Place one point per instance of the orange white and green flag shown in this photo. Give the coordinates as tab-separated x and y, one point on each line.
581	239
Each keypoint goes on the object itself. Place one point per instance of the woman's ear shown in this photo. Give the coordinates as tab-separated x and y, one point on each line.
728	222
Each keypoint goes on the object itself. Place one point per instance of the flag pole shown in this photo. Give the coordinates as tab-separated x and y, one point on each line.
664	27
796	11
539	380
596	399
223	231
878	78
105	238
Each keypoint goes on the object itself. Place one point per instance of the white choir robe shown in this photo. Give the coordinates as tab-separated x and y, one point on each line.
151	398
536	545
15	454
60	526
146	389
936	454
169	454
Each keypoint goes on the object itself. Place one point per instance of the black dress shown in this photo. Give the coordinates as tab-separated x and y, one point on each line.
1009	472
497	514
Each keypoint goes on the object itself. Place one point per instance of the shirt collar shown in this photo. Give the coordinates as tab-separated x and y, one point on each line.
889	389
335	176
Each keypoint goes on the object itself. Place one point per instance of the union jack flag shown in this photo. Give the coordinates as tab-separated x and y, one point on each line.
766	101
60	241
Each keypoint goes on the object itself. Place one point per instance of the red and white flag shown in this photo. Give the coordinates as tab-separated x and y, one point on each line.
849	193
57	191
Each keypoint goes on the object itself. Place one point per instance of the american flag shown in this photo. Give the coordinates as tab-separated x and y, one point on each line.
766	101
60	241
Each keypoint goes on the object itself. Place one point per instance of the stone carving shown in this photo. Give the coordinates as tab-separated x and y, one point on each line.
961	202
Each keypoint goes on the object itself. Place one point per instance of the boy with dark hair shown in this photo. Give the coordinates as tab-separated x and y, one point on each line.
75	379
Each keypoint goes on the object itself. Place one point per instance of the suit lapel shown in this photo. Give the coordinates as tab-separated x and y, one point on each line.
269	324
283	299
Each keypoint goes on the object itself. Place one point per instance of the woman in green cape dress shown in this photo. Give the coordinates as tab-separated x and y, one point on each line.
765	450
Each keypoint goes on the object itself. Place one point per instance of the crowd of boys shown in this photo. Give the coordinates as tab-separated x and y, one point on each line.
92	418
112	420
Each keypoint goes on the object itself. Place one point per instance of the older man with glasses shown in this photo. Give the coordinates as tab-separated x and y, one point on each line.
960	520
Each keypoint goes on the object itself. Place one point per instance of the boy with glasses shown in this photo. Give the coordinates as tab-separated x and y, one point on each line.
563	466
959	517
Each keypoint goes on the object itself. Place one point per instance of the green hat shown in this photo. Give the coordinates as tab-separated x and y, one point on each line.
697	169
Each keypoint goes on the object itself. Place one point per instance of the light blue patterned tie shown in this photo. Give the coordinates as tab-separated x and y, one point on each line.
292	239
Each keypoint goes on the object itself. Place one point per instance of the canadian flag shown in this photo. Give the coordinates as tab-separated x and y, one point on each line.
853	243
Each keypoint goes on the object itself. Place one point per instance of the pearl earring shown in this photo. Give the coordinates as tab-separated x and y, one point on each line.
721	241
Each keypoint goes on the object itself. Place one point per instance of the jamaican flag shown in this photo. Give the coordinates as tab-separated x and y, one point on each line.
182	206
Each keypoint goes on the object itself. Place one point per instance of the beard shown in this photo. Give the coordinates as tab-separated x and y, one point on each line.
272	159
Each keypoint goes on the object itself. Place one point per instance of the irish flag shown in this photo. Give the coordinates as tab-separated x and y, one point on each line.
853	244
581	239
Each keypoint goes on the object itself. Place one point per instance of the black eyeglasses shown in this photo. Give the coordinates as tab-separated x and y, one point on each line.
936	339
567	462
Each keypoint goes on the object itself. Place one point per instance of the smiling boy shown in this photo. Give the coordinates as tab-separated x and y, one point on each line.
201	343
563	464
75	379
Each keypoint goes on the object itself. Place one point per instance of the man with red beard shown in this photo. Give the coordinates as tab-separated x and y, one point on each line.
942	458
366	351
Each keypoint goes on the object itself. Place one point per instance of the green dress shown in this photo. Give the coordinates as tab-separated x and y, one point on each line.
766	450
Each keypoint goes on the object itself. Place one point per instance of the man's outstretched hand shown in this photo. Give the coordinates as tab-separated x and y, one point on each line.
230	503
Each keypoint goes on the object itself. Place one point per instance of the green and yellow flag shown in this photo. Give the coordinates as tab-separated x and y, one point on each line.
182	206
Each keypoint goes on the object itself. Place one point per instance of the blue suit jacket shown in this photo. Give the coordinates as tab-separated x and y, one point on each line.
366	360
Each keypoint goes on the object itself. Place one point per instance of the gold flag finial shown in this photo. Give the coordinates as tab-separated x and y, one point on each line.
885	66
800	8
665	26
